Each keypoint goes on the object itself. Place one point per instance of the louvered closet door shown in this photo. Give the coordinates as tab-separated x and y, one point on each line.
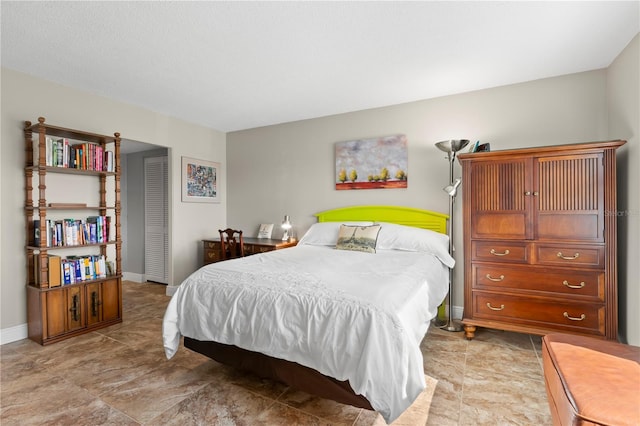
500	206
156	239
570	198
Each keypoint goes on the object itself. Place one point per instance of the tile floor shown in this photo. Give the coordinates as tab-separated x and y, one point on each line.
119	376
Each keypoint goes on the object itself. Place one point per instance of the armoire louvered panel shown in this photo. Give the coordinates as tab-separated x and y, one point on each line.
499	199
569	198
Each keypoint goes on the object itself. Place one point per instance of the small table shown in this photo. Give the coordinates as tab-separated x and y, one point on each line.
211	247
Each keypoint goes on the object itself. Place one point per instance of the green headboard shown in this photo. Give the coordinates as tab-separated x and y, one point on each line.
408	216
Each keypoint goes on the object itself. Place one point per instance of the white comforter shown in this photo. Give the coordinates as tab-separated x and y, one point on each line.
349	315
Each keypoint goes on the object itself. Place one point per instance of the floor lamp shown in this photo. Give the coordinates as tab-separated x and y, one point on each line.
451	147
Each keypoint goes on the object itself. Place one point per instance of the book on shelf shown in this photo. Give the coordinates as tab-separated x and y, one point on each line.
59	154
93	222
48	151
63	149
108	161
67	278
78	270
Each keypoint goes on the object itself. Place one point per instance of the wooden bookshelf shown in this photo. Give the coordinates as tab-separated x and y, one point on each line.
56	309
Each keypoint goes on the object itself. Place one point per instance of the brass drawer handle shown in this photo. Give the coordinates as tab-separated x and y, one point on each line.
212	245
496	309
566	283
575	256
500	278
211	255
495	253
566	315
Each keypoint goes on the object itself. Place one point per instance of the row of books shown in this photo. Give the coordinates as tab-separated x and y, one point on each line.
73	269
84	156
74	232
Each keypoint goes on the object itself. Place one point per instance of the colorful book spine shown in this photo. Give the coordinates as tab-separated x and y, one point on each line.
66	272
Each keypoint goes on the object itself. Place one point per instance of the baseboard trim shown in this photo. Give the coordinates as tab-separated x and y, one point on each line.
13	334
458	311
136	278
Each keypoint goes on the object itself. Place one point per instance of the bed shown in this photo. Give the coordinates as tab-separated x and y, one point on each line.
340	316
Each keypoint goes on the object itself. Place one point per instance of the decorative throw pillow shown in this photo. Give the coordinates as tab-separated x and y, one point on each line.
358	238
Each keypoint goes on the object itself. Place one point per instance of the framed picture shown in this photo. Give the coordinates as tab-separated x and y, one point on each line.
200	181
376	163
265	230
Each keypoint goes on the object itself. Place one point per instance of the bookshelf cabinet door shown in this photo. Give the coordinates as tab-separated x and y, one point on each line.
111	300
75	311
94	304
103	302
55	313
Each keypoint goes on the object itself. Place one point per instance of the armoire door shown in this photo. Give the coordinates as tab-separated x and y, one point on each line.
570	197
499	199
156	238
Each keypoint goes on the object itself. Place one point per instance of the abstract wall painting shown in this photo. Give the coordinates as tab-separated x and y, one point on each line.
200	181
372	163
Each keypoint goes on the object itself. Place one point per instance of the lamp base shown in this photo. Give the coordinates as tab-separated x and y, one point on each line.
437	322
452	326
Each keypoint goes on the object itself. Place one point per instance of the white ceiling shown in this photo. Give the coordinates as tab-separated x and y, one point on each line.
239	65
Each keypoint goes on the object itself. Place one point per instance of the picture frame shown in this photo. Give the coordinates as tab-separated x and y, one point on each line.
200	181
374	163
265	230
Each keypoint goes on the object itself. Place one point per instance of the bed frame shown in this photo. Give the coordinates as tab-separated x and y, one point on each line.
298	376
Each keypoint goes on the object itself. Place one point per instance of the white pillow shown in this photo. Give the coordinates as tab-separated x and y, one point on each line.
408	238
326	233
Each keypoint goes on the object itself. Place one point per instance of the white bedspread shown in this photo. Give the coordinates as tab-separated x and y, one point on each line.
349	315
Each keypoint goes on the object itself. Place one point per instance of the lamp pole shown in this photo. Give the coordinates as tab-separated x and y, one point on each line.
451	147
451	325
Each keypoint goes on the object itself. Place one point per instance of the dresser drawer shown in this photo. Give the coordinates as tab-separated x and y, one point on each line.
500	251
211	252
570	255
255	249
581	284
540	312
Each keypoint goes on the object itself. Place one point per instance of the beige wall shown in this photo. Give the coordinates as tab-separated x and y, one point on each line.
623	90
289	168
27	98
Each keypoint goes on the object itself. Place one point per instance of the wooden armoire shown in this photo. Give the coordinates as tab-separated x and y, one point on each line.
540	239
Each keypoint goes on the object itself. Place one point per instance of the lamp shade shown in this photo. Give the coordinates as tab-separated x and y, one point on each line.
452	189
452	145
